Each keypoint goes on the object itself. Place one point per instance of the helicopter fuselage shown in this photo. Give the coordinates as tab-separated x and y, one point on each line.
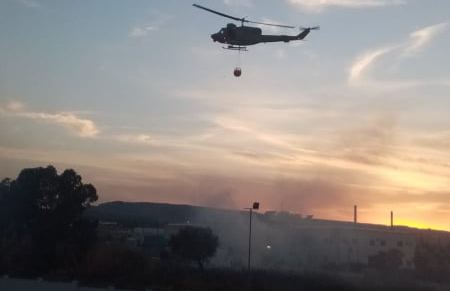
247	35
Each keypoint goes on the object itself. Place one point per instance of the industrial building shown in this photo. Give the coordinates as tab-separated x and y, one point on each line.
283	240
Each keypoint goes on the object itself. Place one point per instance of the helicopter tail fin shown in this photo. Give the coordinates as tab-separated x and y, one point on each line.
305	31
303	34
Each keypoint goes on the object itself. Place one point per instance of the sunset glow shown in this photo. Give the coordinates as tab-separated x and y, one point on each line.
137	98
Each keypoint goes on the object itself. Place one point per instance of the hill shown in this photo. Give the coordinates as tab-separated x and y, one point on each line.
155	214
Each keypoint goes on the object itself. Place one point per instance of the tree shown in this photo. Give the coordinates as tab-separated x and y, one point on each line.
44	212
386	261
4	193
196	244
432	259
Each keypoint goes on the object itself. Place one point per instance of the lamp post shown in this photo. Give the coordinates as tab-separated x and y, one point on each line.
255	206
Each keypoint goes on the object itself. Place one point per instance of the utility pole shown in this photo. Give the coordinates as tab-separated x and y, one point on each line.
254	207
249	240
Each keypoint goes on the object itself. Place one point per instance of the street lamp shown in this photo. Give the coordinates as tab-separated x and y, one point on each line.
254	207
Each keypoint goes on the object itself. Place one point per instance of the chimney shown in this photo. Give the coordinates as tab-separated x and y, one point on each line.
392	218
355	214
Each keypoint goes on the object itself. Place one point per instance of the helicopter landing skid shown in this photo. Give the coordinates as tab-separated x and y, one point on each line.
235	48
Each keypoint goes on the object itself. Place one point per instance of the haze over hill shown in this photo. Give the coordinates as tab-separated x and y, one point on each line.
281	240
148	214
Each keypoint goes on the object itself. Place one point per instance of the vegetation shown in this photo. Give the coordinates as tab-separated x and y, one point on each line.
44	232
173	276
432	260
115	264
195	244
390	260
41	224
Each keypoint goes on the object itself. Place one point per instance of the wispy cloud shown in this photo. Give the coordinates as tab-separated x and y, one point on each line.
158	19
247	3
319	5
80	126
29	3
417	41
13	106
363	63
139	31
141	138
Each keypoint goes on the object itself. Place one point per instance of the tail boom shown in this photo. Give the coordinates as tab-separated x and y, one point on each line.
285	38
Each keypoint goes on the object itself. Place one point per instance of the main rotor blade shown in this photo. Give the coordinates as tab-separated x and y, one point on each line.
240	19
270	24
219	13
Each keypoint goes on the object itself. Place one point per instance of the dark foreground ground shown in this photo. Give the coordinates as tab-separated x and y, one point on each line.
186	278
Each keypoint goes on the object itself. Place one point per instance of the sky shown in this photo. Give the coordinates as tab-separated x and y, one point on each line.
136	97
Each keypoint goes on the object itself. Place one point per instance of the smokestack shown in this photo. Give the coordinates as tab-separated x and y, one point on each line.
355	214
392	218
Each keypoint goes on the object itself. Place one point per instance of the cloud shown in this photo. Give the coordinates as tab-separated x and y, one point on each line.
143	139
434	140
246	3
369	144
364	62
422	37
142	30
416	42
138	31
14	106
319	5
79	126
237	126
316	195
29	3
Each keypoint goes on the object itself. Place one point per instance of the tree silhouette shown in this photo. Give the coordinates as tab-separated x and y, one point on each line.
386	261
432	259
196	244
42	212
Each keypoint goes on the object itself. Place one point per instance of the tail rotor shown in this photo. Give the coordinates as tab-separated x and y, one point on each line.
310	28
304	31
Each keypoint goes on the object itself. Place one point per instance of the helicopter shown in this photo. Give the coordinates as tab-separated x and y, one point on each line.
239	37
